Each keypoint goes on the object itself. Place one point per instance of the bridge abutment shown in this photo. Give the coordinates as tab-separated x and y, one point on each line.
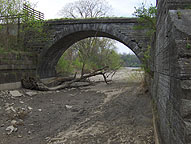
171	89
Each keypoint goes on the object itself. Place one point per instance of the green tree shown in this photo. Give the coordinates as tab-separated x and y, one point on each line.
147	20
130	60
12	13
9	10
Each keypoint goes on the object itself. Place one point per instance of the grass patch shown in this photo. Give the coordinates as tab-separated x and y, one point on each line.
97	18
136	75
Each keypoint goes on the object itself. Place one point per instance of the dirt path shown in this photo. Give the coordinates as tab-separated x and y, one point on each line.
117	113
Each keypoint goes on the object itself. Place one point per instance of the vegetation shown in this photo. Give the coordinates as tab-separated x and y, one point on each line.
13	18
106	17
130	60
86	9
11	7
188	45
147	20
103	54
91	53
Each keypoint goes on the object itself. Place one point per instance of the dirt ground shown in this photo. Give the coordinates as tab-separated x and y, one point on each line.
117	113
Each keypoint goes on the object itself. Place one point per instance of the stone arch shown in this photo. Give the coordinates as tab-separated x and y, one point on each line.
67	36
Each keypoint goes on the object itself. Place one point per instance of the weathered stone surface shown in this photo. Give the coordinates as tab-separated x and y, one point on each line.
186	84
188	131
185	108
14	66
15	93
64	33
172	71
181	20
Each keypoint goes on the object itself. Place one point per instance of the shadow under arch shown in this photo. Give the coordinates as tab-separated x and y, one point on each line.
49	57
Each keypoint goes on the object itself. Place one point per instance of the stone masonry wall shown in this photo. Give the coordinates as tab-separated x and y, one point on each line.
64	33
171	88
14	66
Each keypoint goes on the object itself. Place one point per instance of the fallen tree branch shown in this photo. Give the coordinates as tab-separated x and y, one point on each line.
62	83
60	80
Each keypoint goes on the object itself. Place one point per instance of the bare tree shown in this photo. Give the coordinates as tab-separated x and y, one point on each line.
88	9
93	48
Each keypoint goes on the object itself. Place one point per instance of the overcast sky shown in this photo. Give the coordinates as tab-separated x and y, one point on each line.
121	8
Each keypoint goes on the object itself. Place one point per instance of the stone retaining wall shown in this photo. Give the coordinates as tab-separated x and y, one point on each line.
14	66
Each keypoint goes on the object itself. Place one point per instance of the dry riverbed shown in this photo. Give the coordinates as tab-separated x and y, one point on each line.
118	113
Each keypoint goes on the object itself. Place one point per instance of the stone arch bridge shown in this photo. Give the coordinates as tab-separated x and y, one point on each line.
64	33
170	86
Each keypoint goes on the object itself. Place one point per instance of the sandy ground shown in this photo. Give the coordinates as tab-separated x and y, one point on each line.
118	113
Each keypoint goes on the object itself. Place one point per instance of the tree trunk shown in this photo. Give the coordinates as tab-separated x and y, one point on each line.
83	68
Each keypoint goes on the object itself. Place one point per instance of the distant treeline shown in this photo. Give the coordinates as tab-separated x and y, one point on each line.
130	60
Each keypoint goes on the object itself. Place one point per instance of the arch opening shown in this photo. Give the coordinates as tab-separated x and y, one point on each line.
51	55
94	53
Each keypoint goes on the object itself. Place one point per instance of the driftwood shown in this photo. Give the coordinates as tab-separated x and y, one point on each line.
33	84
60	80
62	83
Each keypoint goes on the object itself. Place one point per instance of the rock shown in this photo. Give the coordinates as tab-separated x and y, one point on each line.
22	113
11	112
21	102
39	110
185	108
15	93
47	138
186	84
20	122
19	136
8	105
31	93
82	111
14	122
30	108
68	106
75	110
11	129
188	130
10	109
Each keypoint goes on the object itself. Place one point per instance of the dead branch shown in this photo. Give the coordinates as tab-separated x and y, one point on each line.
62	83
60	80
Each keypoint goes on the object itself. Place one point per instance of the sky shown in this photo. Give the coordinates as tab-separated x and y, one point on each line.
120	8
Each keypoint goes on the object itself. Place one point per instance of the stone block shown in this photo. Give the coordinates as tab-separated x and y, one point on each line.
188	131
185	110
186	84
